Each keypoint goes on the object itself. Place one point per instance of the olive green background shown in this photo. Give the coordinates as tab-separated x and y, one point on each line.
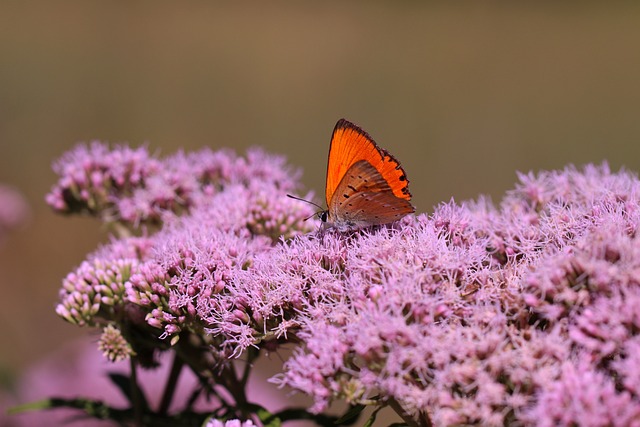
464	94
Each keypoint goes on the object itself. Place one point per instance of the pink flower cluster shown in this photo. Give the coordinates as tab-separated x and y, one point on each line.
132	187
179	279
522	314
518	314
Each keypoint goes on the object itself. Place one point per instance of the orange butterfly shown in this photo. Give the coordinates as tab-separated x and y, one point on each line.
365	184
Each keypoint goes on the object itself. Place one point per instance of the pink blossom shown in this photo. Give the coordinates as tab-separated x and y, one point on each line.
470	314
14	210
132	187
583	395
476	314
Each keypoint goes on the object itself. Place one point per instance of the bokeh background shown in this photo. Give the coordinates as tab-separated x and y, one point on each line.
464	94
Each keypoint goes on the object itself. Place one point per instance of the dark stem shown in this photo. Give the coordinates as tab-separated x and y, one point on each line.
230	381
297	414
170	387
136	399
195	352
252	355
423	418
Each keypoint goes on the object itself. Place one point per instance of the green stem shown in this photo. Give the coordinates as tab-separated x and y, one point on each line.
298	414
94	409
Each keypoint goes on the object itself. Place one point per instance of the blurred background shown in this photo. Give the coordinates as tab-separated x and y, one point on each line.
464	94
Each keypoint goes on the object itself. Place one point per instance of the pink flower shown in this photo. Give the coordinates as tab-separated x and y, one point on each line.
14	210
133	188
583	395
471	314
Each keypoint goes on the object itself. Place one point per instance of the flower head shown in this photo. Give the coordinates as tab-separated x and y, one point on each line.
113	345
131	187
232	209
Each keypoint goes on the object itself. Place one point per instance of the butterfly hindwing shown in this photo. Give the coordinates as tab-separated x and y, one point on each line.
374	209
363	198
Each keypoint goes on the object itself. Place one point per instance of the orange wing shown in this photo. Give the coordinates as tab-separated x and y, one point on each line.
350	144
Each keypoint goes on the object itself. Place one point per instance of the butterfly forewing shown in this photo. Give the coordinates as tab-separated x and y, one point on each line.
350	144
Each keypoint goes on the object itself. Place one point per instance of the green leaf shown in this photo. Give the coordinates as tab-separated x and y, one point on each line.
92	408
268	419
372	418
351	415
31	406
206	421
96	409
292	414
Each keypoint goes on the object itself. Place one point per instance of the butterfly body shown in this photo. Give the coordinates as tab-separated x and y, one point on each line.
365	184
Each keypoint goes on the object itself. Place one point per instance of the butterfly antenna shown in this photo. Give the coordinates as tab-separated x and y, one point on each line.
311	203
306	201
311	216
